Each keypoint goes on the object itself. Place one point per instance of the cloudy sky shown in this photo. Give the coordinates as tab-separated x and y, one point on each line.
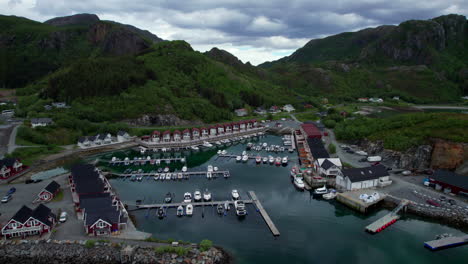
253	30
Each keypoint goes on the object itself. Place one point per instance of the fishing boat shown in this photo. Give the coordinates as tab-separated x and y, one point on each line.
207	144
299	183
189	210
180	176
284	161
161	212
238	158
271	159
166	169
265	159
206	196
235	195
168	198
320	191
197	196
180	210
278	161
184	169
210	168
187	197
240	208
258	159
330	195
194	147
245	158
220	209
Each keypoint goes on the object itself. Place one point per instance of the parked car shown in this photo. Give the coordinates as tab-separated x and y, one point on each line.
443	198
37	180
406	172
350	151
6	198
28	181
63	217
431	202
452	202
363	160
11	191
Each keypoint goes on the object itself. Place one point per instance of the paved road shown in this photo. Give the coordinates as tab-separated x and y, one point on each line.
5	131
352	159
441	107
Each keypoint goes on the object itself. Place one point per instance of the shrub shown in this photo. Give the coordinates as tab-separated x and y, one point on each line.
205	244
90	243
329	123
180	251
332	148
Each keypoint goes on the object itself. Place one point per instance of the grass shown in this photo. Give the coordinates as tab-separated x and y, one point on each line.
29	155
90	243
205	244
58	197
180	251
307	116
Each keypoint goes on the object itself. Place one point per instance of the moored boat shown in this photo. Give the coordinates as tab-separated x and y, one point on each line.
187	197
220	209
194	148
238	158
258	159
235	194
245	158
207	144
240	208
161	212
265	159
206	196
168	198
189	209
197	196
180	210
184	169
271	159
299	183
320	191
330	195
284	161
278	161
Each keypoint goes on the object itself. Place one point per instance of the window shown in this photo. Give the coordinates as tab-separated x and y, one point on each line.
13	225
101	224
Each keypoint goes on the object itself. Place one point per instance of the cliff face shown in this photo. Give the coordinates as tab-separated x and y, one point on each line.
449	155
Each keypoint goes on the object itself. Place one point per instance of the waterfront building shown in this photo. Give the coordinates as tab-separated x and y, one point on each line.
316	148
186	135
166	136
49	192
28	222
156	136
204	132
328	167
363	178
310	130
450	182
195	133
84	142
177	136
122	136
10	167
228	128
213	131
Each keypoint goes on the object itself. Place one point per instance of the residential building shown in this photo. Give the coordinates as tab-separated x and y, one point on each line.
59	104
220	129
213	131
363	178
241	112
450	182
49	192
27	222
177	136
195	133
156	136
310	131
83	142
10	167
204	132
260	111
274	109
288	108
105	138
396	98
329	167
166	136
186	135
376	100
122	136
228	128
35	122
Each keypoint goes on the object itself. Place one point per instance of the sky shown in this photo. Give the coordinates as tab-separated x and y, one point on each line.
253	30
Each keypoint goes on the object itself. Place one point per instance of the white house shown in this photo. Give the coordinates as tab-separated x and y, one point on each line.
35	122
122	136
329	166
288	108
241	112
376	100
59	104
362	178
105	138
83	142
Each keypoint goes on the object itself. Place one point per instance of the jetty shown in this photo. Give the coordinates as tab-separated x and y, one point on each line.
446	242
264	214
387	219
187	174
143	161
195	204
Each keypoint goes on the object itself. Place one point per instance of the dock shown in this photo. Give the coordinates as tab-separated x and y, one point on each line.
195	204
264	214
143	161
387	219
446	242
186	175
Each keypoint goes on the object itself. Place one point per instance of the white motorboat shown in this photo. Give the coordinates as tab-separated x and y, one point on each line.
227	207
245	158
206	196
187	197
142	150
210	168
244	153
284	161
209	175
156	177
184	169
168	176
320	191
207	144
235	195
180	210
215	168
240	208
330	195
197	196
189	210
291	150
265	159
180	176
168	198
264	145
258	159
278	161
299	183
219	152
166	169
271	159
362	153
238	158
158	162
162	176
224	152
218	143
194	147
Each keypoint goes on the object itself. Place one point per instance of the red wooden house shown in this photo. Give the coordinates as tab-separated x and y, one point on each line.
10	167
27	222
49	192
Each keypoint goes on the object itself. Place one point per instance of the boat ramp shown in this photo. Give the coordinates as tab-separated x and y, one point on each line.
446	242
387	219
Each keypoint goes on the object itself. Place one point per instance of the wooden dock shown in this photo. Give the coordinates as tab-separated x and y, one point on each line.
186	175
387	219
264	214
143	161
446	242
195	204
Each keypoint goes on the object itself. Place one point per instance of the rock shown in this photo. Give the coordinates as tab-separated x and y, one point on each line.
78	19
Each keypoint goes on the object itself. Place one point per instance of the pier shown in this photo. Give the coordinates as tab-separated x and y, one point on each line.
387	219
264	214
195	204
187	174
144	161
446	242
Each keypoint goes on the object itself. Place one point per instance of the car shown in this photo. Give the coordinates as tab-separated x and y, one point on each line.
37	180
443	198
63	217
6	198
452	202
350	151
11	191
346	148
433	203
363	160
28	181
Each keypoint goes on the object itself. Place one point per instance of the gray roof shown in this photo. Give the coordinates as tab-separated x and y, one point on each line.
109	214
41	120
364	174
121	133
52	187
326	164
451	178
7	162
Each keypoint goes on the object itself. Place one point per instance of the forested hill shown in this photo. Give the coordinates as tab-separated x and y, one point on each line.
419	60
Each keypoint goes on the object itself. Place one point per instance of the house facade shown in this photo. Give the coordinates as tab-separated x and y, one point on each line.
363	178
10	167
36	122
122	136
27	222
450	182
288	108
195	133
241	112
328	167
156	136
49	192
186	135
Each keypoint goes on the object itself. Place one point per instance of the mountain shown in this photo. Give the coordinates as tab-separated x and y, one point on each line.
420	60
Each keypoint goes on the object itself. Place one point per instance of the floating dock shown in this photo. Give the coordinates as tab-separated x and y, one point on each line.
144	161
387	220
264	214
446	242
195	204
186	175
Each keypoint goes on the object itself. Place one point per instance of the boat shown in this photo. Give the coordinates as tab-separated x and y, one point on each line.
362	153
187	197
158	162
278	161
209	175
220	209
162	176
284	161
168	198
264	145
197	196
139	178
271	159
238	158
249	146
244	153
180	210
240	208
133	178
160	170
184	169
224	152
168	176
215	168
142	150
258	159
265	159
219	152
207	144
180	176
330	195
235	194
291	150
206	196
156	177
210	168
218	143
194	147
320	191
294	171
245	158
227	207
299	183
161	212
189	209
166	169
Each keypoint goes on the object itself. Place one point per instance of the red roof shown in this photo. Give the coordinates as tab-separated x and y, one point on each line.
227	125
186	131
195	129
145	137
311	130
203	128
176	132
166	132
156	132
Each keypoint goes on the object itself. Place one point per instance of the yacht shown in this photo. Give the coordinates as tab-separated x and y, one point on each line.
271	159
224	152
278	161
161	212
330	195
245	158
284	161
220	209
160	170
197	196
189	210
206	196
299	183
227	207
320	191
258	159
194	147
235	194
180	210
168	198
207	144
240	208
168	176
166	169
264	145
184	169
265	159
238	158
210	168
187	197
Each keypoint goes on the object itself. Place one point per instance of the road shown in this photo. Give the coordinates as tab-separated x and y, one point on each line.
5	138
441	107
351	159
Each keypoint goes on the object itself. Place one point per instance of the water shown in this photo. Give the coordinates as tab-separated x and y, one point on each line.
312	231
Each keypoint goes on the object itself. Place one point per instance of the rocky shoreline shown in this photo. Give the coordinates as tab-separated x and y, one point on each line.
80	252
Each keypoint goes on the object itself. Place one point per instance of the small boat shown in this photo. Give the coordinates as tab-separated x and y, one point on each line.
166	169
330	195
180	176
197	196
209	175
133	178
235	194
184	169
244	153
249	146
168	198
156	177
291	150
258	159
294	171
219	152
299	183
278	161
158	162
224	152
180	210
139	178
207	144
220	209
320	191
189	210
271	159
284	161
194	147
161	212
218	143
160	170
245	158
142	150
240	208
238	158
187	197
168	176
206	196
162	176
210	168
265	159
362	153
215	168
264	145
227	207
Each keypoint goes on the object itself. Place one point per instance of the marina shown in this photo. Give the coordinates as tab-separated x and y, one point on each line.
185	175
387	220
142	161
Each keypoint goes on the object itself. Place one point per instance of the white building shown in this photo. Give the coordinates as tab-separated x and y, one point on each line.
122	136
362	178
35	122
288	108
376	100
329	167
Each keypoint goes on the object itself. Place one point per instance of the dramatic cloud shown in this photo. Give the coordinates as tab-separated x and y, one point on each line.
255	31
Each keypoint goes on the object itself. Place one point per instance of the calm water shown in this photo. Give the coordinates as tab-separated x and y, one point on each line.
312	231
